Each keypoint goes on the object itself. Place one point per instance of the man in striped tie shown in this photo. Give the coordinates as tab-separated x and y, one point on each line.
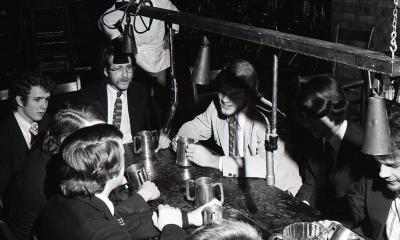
375	201
236	127
126	103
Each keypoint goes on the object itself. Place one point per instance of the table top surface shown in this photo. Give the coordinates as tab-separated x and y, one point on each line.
267	208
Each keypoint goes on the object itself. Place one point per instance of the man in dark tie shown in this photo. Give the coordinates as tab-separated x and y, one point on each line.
29	96
126	103
332	157
235	125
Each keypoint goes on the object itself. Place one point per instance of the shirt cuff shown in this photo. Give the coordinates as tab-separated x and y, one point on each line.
220	164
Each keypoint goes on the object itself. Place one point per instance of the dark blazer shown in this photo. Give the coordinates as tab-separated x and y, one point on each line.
141	107
89	218
370	201
13	148
326	181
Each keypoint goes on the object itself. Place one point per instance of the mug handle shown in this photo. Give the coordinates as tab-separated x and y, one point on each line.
221	190
276	236
142	176
135	149
190	198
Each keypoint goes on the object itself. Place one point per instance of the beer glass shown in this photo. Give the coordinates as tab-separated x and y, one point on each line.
204	190
181	158
136	175
143	144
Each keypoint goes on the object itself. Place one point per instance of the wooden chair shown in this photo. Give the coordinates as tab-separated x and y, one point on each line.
360	84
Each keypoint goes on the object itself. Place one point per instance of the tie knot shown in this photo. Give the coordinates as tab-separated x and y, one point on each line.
119	93
34	129
232	120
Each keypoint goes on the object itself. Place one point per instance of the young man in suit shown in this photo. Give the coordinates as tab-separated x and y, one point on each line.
93	165
375	201
126	103
29	96
332	157
239	130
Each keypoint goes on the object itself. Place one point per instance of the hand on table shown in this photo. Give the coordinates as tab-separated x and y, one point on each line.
167	215
202	156
149	191
195	217
163	141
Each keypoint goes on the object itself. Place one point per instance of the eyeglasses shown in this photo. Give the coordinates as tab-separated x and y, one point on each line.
127	68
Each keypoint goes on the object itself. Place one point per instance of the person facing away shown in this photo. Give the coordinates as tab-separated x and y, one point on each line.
375	200
93	165
21	127
37	180
236	126
333	160
226	230
126	104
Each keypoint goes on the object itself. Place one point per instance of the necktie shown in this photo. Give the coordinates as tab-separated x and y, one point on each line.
233	148
33	130
393	222
117	111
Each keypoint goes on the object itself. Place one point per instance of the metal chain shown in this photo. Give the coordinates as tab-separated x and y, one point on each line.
393	35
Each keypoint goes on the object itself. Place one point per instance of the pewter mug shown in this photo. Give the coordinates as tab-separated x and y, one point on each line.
212	214
204	190
181	158
302	231
342	233
146	140
136	175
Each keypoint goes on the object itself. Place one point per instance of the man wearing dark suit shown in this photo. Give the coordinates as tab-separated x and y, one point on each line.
330	169
29	97
375	201
136	111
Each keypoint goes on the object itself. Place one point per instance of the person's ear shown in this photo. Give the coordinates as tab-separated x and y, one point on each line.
19	101
105	72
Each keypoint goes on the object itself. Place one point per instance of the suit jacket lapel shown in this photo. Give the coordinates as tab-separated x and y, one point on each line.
133	102
18	136
351	143
103	99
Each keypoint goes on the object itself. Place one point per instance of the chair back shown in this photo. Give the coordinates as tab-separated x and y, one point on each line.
68	87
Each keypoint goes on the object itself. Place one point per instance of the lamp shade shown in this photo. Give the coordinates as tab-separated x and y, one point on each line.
377	133
201	68
128	39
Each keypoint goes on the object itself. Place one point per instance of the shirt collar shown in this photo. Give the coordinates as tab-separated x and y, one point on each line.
107	201
24	125
114	91
338	136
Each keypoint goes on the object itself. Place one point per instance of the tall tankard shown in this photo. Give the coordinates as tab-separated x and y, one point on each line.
204	190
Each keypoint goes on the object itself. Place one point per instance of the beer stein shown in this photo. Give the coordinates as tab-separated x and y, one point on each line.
212	214
136	175
204	190
145	140
302	231
181	158
342	233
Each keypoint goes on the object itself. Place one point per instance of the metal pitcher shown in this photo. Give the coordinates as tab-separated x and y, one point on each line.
302	231
144	144
181	158
212	214
204	190
136	175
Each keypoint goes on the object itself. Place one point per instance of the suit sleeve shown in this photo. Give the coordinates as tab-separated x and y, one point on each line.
307	190
356	201
137	216
200	128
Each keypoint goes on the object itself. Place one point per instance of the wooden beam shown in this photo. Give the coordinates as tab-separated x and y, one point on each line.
352	56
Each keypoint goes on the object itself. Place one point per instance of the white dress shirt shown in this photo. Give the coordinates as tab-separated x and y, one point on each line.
336	139
393	221
125	127
24	126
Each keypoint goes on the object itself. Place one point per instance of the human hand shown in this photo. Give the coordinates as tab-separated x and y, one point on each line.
202	156
163	141
149	191
195	217
167	215
174	143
